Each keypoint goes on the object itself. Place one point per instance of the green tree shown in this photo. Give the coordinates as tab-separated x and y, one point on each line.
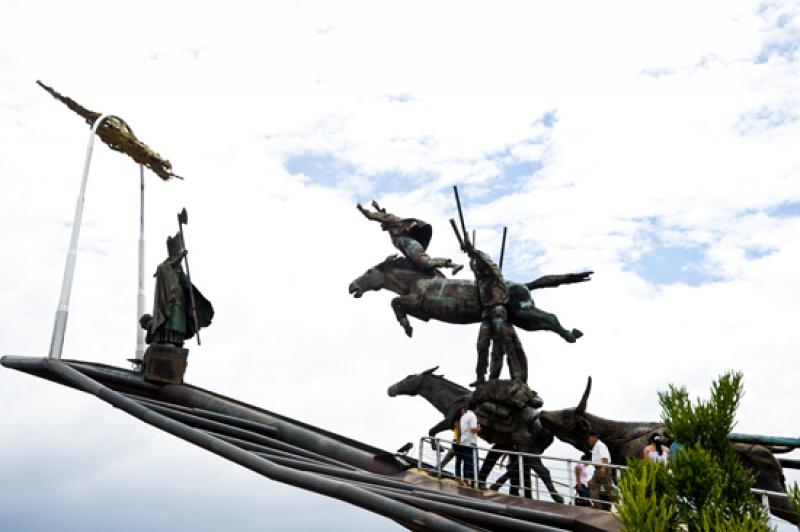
794	498
706	488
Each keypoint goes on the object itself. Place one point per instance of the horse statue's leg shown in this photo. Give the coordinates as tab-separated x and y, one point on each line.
530	318
436	429
488	464
401	305
526	476
543	473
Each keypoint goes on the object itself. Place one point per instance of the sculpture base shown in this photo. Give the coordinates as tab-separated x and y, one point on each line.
165	363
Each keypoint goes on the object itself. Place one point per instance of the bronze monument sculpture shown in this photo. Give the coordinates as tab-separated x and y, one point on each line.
490	300
179	312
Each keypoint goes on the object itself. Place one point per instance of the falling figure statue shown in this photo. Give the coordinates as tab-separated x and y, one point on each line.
410	236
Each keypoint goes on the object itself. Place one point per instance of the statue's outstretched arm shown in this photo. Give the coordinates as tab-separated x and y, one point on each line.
379	215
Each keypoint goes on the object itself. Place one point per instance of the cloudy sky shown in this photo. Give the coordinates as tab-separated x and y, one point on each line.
655	146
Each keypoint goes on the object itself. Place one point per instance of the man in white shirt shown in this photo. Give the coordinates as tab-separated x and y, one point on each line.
602	475
469	441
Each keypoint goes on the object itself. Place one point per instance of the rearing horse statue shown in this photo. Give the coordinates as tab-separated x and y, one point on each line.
429	295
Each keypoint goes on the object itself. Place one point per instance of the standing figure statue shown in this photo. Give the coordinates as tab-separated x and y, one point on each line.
173	319
410	236
493	295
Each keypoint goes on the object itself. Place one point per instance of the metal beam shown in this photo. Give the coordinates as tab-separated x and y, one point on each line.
404	514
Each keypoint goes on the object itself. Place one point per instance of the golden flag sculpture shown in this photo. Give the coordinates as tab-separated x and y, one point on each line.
119	136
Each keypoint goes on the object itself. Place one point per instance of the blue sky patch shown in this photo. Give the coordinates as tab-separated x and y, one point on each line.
767	117
515	170
326	169
673	264
786	209
323	168
755	253
785	50
549	119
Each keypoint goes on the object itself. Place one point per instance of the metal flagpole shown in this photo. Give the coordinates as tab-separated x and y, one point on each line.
140	294
62	312
503	247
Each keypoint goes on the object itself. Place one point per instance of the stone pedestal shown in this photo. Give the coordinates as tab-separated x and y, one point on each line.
165	363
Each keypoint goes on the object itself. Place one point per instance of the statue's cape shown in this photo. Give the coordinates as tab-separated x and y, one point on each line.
417	229
205	311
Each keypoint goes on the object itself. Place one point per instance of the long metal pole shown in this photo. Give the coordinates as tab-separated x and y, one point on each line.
140	294
503	247
62	312
461	214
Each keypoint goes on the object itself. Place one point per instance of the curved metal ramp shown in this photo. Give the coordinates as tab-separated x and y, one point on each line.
295	453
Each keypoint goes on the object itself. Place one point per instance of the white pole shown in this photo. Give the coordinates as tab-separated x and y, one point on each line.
570	471
140	294
62	312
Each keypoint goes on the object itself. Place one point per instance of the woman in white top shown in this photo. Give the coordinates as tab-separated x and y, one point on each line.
654	450
583	472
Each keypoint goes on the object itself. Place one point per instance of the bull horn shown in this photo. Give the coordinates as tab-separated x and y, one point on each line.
582	405
430	371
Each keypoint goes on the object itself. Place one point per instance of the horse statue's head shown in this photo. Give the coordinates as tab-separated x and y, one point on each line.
395	273
411	385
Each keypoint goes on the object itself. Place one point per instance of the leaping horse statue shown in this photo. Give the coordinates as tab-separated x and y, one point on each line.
428	295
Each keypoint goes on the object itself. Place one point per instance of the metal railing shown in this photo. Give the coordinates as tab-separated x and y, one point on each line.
439	456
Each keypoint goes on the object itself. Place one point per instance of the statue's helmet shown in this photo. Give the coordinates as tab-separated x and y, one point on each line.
174	245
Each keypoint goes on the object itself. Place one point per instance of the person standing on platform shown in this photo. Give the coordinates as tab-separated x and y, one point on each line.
583	472
602	474
469	428
655	450
454	451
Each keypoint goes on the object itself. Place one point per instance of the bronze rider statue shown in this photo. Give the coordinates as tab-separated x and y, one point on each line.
410	236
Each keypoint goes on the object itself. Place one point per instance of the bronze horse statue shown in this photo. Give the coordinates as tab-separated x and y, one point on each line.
429	295
626	439
448	398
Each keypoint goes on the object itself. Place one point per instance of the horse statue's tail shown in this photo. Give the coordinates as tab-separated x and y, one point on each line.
550	281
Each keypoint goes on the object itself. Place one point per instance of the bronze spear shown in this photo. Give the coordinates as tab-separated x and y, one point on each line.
183	218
